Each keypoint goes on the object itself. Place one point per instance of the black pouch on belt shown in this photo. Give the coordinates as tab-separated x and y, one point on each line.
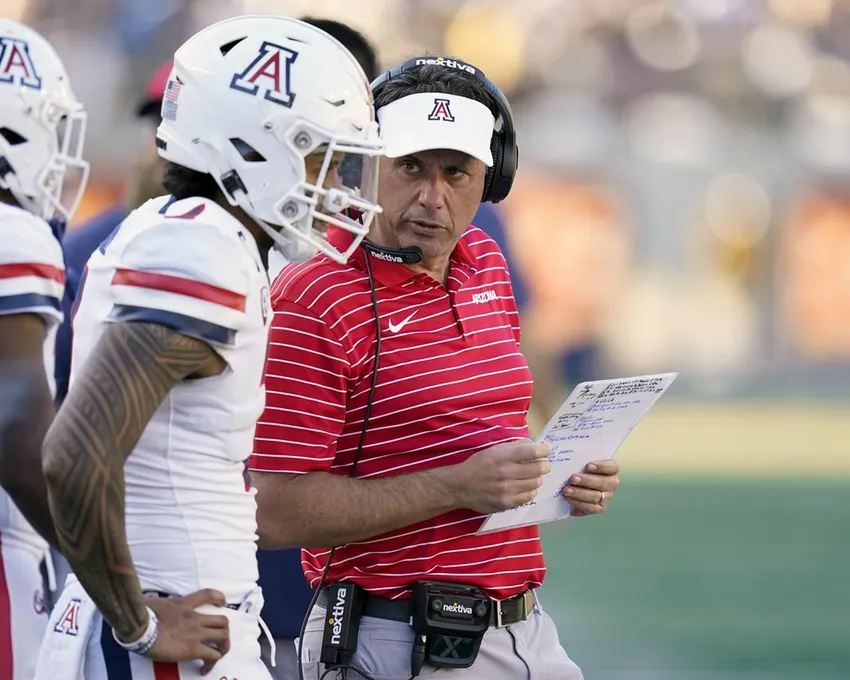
342	623
449	620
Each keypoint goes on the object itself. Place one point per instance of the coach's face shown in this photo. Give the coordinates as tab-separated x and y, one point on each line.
428	200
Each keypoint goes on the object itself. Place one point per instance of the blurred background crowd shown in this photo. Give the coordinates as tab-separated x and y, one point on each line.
682	203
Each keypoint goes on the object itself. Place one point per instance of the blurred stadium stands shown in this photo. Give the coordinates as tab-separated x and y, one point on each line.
683	205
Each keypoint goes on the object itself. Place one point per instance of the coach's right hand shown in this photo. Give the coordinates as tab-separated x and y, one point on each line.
187	635
502	477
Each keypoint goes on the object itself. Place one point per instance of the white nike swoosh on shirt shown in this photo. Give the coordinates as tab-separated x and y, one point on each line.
395	328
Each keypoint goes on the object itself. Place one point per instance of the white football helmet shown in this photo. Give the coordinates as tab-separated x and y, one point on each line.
42	125
248	99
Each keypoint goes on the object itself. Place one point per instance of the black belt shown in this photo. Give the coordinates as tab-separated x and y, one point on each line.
159	593
502	613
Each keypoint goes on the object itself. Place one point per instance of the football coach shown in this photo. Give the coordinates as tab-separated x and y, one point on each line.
396	413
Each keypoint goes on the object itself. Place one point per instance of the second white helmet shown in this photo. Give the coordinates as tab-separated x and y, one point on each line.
248	99
42	125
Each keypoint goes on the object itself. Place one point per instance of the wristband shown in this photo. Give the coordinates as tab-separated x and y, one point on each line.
147	640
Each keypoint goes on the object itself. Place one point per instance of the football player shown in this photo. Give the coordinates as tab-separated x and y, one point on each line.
145	460
42	128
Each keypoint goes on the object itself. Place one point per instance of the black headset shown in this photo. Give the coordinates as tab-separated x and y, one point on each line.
500	177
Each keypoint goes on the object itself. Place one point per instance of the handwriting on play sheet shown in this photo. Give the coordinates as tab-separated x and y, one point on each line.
591	425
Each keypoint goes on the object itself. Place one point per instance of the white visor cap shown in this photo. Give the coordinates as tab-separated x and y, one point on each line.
426	121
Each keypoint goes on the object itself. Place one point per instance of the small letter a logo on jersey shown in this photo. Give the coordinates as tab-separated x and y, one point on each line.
68	622
269	72
441	111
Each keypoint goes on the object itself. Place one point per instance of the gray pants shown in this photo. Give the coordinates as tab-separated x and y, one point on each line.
526	651
285	658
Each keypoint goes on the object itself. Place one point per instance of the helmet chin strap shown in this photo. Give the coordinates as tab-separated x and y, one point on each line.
9	182
293	249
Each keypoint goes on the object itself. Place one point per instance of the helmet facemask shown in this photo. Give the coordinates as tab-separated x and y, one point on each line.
43	152
297	221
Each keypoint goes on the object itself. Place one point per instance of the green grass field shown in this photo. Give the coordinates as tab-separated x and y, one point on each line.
698	578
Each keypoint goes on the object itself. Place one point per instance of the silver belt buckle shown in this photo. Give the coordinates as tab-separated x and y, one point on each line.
526	611
498	605
529	600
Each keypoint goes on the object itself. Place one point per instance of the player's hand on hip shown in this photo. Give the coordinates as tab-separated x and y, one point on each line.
590	491
502	477
188	635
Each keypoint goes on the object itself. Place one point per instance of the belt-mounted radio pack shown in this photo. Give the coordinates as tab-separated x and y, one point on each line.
342	623
449	621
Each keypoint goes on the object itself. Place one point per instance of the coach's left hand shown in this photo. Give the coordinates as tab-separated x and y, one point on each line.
590	491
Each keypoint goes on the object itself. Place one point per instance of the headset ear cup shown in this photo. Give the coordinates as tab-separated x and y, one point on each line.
492	172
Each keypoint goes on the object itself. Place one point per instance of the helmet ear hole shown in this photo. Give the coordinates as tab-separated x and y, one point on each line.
12	137
249	153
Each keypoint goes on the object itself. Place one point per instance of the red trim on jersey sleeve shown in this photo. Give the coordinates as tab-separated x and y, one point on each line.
189	214
306	381
181	286
43	271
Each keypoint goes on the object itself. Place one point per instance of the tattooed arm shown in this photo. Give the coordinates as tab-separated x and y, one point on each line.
122	383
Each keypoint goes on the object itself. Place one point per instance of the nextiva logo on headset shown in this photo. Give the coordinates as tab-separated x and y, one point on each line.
386	257
441	61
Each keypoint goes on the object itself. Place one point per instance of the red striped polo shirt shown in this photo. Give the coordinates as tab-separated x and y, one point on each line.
451	382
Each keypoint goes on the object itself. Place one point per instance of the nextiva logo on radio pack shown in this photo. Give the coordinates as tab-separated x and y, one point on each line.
345	605
449	620
456	608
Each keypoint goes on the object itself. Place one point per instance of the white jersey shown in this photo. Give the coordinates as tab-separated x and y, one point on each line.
189	265
276	263
32	281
